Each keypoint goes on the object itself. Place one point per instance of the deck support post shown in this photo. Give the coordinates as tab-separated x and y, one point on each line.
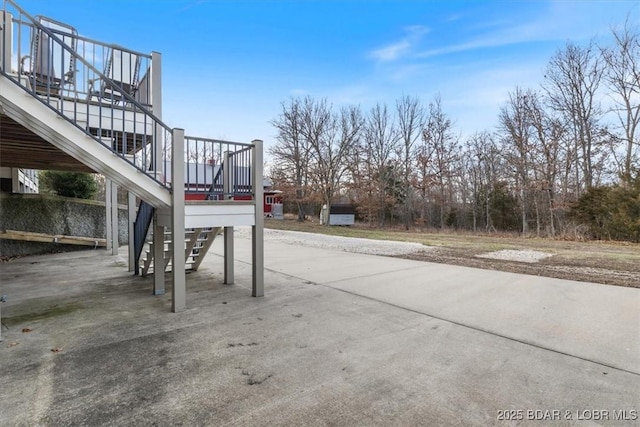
228	256
156	106
227	185
178	296
158	256
131	218
6	45
257	231
157	166
114	219
15	181
108	222
111	215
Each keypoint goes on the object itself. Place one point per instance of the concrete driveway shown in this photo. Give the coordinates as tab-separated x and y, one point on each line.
339	339
585	320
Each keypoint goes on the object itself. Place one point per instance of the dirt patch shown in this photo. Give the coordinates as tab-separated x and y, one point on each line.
581	270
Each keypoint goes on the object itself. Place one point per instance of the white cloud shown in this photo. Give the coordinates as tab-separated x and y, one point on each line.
391	52
402	47
501	37
559	22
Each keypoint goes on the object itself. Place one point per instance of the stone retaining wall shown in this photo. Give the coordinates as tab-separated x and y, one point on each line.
48	214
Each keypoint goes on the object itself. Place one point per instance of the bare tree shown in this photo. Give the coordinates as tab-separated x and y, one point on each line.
379	142
410	114
292	153
331	137
515	125
439	140
623	78
546	135
424	178
484	166
571	83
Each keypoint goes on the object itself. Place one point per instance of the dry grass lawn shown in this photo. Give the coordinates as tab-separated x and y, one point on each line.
614	263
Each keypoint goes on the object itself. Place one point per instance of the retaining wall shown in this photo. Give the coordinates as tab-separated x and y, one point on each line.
48	214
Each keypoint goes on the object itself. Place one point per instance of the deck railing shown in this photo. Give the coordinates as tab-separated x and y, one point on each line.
92	85
211	162
107	91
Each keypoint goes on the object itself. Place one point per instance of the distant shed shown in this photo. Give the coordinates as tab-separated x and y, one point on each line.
342	215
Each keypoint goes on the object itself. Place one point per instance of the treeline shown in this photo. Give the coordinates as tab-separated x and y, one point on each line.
564	159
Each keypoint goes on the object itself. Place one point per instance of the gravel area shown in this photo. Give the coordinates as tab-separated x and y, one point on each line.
347	244
517	255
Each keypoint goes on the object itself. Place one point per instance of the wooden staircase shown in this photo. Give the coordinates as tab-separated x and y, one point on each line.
196	245
93	120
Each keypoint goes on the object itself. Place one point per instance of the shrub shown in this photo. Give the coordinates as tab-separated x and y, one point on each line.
611	212
69	184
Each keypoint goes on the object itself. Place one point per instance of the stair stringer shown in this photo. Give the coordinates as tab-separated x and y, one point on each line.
205	247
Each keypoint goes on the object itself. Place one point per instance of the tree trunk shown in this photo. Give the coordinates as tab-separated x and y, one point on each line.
551	221
524	212
537	209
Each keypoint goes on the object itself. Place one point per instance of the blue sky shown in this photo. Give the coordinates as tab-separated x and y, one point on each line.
227	65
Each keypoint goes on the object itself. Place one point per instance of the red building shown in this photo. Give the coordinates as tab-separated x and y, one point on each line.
271	198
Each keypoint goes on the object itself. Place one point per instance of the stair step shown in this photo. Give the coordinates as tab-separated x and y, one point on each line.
187	264
199	247
150	258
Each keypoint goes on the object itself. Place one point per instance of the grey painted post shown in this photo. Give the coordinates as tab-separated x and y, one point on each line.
6	47
158	256
131	216
228	256
257	231
15	181
179	298
114	219
107	219
156	105
158	167
228	231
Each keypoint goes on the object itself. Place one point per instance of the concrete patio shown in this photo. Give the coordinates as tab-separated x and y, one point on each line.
339	339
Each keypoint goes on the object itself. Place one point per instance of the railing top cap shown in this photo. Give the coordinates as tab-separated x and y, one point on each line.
75	35
218	141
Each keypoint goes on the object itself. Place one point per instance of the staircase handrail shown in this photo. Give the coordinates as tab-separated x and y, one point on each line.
80	37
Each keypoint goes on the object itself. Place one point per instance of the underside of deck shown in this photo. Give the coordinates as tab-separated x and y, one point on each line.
22	148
